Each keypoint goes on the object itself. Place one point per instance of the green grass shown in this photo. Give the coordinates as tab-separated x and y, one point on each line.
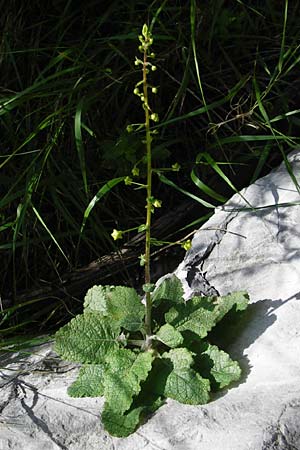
228	103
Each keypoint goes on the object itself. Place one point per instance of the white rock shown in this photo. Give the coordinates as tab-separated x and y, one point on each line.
257	250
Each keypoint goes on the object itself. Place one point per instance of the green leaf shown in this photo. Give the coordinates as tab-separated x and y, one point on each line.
145	404
197	316
165	180
79	142
183	383
200	314
170	289
204	109
102	191
224	369
215	166
223	305
88	338
206	189
169	336
89	382
122	379
121	304
95	299
49	232
120	425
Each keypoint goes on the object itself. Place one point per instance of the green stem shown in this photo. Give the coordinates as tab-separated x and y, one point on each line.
149	205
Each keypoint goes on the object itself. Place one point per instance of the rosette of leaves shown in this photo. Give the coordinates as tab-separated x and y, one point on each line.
109	339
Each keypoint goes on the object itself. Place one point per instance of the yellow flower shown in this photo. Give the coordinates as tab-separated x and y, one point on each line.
154	117
176	167
117	234
142	259
187	245
157	203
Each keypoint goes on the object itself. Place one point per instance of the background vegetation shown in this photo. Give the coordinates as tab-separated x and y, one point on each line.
229	108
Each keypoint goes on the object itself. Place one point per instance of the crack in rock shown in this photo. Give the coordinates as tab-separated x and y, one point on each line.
282	434
196	277
11	396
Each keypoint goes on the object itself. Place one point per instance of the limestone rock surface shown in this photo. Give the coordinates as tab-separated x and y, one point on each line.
252	243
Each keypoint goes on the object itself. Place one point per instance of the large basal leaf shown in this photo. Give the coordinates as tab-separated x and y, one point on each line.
224	370
169	336
238	300
89	382
122	304
95	299
196	315
147	401
88	338
200	314
119	424
182	383
170	289
122	379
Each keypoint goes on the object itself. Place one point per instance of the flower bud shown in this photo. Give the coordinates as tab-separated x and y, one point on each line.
128	181
135	171
117	234
154	117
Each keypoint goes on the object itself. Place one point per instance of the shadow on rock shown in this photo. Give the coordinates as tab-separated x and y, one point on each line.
238	330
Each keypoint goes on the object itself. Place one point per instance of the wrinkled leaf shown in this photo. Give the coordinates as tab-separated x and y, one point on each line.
183	383
88	338
89	382
95	299
126	370
169	336
239	300
118	424
200	314
224	370
136	384
170	289
122	304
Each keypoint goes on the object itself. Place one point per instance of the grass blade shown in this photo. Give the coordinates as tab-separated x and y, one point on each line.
189	194
220	172
79	143
103	191
206	189
211	106
49	232
282	52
